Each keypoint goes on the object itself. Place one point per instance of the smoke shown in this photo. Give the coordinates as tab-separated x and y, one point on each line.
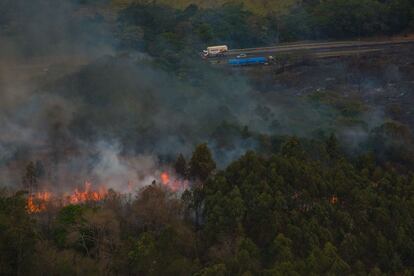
121	174
51	27
103	164
69	99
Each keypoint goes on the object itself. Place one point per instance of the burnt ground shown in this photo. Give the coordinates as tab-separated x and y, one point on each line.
383	80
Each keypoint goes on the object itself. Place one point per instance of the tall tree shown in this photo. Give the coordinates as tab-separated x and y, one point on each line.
292	148
201	163
180	166
30	177
332	147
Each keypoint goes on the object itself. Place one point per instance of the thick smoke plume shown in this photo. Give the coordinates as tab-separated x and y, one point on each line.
87	112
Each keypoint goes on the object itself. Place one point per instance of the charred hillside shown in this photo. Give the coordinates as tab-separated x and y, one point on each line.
124	152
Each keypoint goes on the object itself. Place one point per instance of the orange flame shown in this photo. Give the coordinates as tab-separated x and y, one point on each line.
87	194
173	183
165	178
37	202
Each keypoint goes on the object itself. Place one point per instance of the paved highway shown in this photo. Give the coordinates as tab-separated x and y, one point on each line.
320	49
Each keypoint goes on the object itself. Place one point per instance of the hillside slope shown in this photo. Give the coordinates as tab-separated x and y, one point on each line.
255	6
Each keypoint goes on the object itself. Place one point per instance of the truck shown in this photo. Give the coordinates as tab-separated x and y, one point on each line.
247	61
214	51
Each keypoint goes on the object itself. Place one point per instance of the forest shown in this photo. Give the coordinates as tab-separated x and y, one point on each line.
260	181
303	208
158	28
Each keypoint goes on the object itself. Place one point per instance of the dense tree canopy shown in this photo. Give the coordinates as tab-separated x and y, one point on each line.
156	27
287	213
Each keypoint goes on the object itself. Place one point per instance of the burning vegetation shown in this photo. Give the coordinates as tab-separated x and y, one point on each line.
313	170
256	206
39	201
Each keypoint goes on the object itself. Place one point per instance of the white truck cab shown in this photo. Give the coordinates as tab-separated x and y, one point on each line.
213	51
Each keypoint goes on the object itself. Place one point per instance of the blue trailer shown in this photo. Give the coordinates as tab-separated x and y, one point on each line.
247	61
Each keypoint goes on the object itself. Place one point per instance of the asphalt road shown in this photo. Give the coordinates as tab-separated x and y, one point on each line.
319	49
